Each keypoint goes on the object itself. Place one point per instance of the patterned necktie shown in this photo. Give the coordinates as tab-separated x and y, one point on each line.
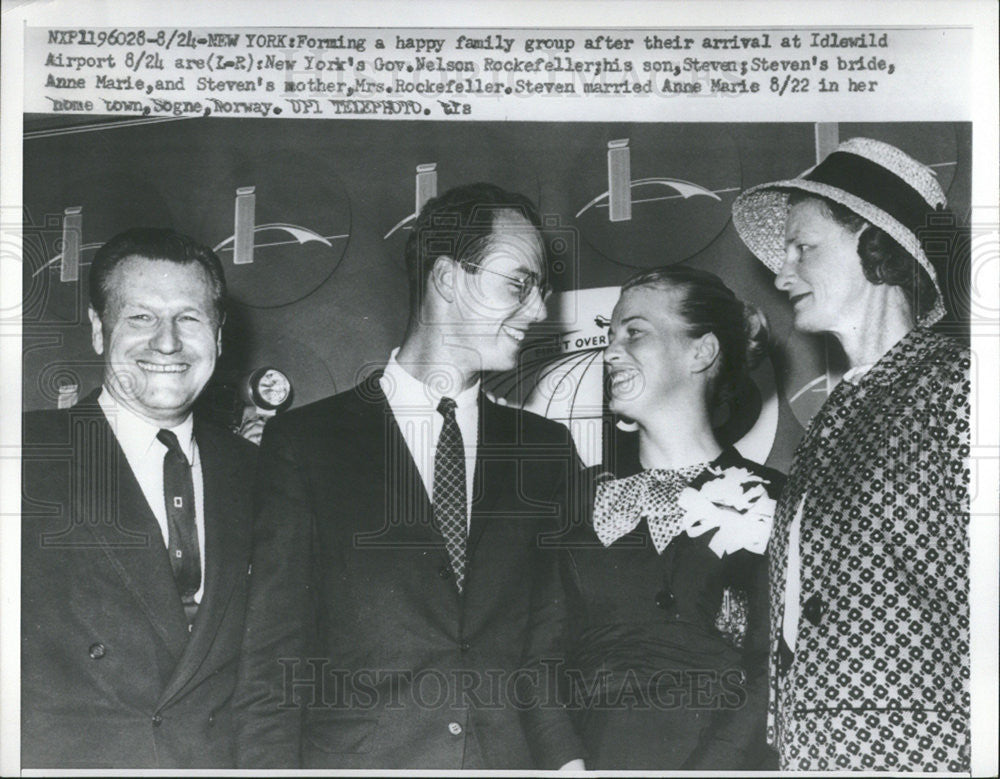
449	489
182	543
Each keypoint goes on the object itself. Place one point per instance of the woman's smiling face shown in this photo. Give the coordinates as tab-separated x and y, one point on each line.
649	351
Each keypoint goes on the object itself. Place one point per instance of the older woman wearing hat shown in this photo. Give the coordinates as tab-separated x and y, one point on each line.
869	555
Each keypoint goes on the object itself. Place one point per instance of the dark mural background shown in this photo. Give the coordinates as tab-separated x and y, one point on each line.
325	296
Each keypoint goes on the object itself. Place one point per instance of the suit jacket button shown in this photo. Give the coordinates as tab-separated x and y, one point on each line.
465	646
211	719
157	720
97	651
813	609
445	572
455	729
664	599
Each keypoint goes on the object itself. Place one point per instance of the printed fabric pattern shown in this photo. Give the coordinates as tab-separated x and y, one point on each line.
880	674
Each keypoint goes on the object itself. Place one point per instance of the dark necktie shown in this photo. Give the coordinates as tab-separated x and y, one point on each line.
449	489
182	544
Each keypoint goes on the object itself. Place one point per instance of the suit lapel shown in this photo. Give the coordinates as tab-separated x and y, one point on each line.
402	508
402	480
124	525
496	429
226	552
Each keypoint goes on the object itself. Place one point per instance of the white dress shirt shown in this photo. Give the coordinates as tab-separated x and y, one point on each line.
414	406
793	585
144	452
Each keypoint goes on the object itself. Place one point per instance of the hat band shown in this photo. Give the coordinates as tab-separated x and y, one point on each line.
874	184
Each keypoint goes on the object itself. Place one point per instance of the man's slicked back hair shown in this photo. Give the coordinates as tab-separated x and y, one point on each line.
154	243
459	224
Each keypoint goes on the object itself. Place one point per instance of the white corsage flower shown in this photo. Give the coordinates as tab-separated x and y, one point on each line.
736	505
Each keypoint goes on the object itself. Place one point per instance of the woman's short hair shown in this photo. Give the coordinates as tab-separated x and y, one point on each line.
883	260
707	305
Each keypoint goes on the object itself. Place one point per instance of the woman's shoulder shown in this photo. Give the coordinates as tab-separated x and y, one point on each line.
932	378
933	356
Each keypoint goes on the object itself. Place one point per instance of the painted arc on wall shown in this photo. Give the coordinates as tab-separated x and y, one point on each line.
681	187
298	243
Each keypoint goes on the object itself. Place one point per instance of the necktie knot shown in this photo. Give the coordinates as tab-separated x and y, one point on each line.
446	407
169	440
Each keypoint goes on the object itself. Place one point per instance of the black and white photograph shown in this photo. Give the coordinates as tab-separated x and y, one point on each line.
603	388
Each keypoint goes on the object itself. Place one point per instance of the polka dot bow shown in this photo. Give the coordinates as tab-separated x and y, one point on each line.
620	504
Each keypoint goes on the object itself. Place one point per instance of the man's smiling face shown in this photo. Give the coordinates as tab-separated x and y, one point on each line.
492	313
159	335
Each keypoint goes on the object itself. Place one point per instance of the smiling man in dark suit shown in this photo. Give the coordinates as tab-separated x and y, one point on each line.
136	530
399	559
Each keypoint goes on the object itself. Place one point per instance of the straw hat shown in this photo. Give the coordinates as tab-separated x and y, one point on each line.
878	182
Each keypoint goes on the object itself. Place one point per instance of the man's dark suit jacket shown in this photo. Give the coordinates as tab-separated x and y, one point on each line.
111	676
360	652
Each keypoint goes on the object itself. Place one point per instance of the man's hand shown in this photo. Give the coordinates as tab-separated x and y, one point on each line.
252	427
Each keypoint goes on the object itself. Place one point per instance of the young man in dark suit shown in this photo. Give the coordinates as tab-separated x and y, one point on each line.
399	548
136	531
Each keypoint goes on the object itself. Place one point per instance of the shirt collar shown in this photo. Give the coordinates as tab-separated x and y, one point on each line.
405	390
136	435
